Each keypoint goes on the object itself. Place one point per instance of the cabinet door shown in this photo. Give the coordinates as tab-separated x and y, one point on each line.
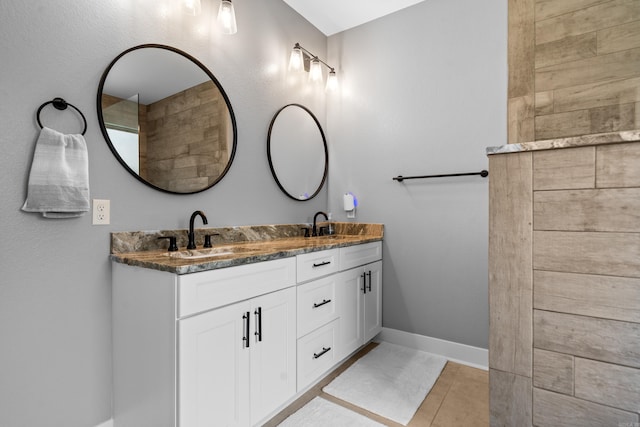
273	352
214	368
350	298
373	300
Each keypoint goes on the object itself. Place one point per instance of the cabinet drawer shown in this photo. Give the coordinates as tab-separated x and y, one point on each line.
211	289
316	353
317	264
353	256
316	304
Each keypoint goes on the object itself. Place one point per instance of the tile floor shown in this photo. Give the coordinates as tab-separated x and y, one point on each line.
460	397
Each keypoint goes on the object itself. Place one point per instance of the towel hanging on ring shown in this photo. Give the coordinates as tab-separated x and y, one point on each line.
59	177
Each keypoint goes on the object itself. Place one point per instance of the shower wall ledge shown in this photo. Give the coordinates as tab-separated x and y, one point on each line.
569	142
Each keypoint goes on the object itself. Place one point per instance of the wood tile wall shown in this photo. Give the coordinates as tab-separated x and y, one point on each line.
586	287
574	68
510	289
583	237
203	152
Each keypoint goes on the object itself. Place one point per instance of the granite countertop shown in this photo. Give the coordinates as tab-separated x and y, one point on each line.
233	246
575	141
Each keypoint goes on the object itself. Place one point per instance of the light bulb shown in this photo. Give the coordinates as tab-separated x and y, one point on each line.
227	17
296	60
332	81
315	70
191	7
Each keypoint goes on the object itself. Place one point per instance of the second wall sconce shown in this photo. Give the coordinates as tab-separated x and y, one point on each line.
226	14
302	59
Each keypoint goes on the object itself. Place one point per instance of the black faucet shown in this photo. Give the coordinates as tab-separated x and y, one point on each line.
192	240
314	229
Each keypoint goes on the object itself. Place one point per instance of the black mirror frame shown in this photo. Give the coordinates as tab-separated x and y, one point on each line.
326	154
103	128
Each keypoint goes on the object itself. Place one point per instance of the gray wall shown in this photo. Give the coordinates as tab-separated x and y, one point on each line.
55	294
423	92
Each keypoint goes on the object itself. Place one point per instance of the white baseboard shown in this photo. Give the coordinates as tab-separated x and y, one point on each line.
461	353
108	423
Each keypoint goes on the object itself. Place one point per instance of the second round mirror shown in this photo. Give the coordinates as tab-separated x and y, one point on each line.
297	152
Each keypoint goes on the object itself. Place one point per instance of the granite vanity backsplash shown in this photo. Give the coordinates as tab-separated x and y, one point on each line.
137	241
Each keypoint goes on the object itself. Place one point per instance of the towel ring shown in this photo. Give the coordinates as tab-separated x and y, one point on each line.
61	104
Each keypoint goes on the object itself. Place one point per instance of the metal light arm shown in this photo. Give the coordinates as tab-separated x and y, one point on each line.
311	55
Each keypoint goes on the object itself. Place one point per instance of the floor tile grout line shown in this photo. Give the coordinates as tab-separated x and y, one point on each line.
371	415
448	389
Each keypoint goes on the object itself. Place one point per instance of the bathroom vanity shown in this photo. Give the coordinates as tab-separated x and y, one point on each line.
232	338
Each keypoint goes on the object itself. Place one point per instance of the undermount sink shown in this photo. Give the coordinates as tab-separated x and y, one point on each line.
210	252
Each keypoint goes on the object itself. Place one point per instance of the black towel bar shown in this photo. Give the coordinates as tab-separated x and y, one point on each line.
61	104
401	178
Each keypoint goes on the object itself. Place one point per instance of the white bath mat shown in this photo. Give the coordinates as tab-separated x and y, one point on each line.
322	413
390	380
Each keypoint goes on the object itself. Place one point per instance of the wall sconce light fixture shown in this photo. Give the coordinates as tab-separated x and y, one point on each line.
226	14
227	17
191	7
302	59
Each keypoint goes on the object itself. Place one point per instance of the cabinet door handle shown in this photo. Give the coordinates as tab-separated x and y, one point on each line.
364	282
369	274
245	338
322	353
320	264
258	332
324	301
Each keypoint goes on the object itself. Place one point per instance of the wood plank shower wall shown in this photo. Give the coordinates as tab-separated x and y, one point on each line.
574	68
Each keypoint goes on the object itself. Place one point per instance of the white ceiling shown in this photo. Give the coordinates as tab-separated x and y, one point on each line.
334	16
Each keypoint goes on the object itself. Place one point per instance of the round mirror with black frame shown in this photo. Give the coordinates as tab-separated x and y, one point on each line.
297	152
167	119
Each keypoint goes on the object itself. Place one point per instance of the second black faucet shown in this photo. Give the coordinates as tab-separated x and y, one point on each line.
314	229
192	240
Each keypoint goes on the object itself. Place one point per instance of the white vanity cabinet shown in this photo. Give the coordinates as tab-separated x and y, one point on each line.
203	349
232	346
317	314
237	363
339	311
359	296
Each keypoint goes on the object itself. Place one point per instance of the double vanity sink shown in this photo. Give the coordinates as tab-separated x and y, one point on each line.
230	335
232	246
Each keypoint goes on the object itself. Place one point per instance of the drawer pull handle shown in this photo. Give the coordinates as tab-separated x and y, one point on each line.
324	301
322	353
320	264
364	282
245	338
369	274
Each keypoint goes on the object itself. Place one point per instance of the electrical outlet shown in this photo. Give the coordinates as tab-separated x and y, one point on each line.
101	212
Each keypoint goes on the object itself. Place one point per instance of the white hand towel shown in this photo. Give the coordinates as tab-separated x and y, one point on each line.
59	178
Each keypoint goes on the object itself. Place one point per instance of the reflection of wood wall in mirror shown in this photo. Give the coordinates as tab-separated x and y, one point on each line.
196	117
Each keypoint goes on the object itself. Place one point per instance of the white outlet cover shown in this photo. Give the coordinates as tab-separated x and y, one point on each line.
101	212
